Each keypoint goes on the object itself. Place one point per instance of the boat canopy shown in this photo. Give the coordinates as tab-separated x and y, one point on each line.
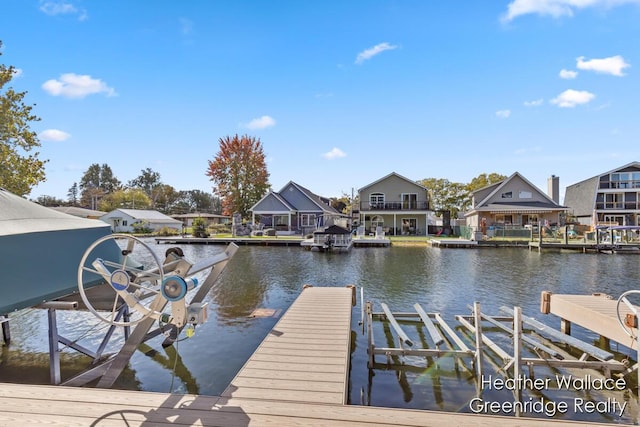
40	250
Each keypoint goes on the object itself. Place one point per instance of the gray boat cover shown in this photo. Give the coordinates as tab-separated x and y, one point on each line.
40	250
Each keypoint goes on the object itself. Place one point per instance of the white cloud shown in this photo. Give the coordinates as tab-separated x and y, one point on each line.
556	8
612	65
570	98
534	103
503	114
53	8
73	85
335	153
568	74
261	123
54	135
373	51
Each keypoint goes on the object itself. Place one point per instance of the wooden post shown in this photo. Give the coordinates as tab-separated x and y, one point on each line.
517	351
545	302
478	324
6	332
370	340
565	326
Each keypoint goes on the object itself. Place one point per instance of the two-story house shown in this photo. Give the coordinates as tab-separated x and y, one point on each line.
612	197
397	204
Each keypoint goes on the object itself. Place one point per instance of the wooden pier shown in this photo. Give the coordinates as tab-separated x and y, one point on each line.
298	376
255	241
305	357
595	312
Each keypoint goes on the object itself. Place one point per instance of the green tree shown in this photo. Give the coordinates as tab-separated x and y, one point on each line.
72	194
149	181
484	180
239	171
131	198
45	200
96	182
21	168
446	195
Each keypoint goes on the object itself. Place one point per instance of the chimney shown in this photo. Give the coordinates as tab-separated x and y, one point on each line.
553	188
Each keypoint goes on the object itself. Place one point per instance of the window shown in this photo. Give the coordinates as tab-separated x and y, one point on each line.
124	222
504	219
409	201
308	220
376	200
525	195
613	200
507	195
377	221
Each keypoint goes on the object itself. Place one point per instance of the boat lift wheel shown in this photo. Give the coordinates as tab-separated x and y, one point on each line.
105	285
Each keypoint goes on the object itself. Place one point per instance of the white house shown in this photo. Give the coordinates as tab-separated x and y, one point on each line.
122	220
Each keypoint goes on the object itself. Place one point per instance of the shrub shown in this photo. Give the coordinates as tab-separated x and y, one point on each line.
167	231
199	228
141	227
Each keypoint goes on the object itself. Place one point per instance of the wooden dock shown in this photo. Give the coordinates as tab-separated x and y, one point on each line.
255	241
22	405
298	376
305	357
595	312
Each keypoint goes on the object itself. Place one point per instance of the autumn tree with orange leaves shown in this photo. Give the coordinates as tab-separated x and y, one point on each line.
239	172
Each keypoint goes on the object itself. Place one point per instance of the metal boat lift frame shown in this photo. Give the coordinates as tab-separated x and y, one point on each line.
109	369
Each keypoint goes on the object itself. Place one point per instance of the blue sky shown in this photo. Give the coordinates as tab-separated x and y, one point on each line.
340	93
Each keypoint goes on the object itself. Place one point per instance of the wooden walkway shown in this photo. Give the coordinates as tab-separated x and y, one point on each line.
594	312
305	357
29	405
298	376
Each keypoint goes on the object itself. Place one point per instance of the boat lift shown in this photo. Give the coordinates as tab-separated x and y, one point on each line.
510	360
124	294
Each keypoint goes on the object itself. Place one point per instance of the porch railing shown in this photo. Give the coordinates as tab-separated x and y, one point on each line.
394	206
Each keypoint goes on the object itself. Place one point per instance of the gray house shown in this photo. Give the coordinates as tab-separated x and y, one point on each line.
396	204
612	197
295	210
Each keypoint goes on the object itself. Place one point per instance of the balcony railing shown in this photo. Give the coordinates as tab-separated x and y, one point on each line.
394	206
619	184
618	205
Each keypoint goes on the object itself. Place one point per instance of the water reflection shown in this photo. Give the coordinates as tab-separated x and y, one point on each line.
441	280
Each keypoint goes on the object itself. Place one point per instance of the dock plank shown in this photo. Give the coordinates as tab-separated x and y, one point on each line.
22	404
313	337
594	312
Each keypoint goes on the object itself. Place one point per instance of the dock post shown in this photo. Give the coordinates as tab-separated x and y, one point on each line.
517	351
54	350
565	326
478	356
371	344
6	332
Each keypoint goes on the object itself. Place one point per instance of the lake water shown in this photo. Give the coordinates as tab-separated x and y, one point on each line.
446	281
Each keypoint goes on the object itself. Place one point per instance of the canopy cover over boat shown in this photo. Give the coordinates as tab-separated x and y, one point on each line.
40	250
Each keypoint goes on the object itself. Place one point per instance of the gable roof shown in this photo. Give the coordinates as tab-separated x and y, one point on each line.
321	202
148	215
277	198
389	175
489	204
504	184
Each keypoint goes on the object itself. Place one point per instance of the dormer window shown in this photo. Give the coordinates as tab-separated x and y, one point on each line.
507	195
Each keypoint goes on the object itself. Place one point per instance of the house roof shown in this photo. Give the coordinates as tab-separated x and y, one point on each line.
76	211
20	216
199	215
387	176
150	216
488	204
321	202
505	182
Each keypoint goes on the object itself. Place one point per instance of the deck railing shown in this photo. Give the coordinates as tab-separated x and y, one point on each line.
394	206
